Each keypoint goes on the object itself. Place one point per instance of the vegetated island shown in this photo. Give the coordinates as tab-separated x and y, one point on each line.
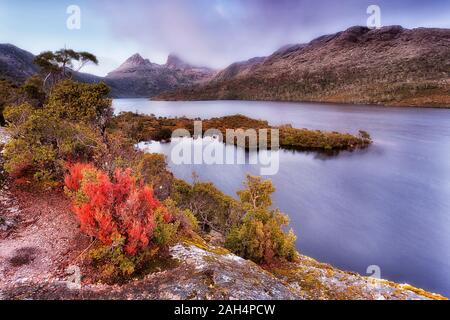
149	127
84	214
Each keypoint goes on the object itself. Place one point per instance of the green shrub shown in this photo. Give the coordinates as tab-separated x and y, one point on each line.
260	237
164	233
212	208
152	169
80	102
66	129
115	265
187	222
9	93
151	166
33	90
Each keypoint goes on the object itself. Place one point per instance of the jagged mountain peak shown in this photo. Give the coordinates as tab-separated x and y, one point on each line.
138	76
135	63
136	59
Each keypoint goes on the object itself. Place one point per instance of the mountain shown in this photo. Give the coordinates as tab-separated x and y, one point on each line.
134	64
16	64
238	68
136	77
390	66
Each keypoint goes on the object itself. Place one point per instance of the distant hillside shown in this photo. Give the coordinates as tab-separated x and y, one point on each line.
136	77
16	65
391	66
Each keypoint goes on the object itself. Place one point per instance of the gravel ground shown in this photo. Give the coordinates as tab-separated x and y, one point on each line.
39	238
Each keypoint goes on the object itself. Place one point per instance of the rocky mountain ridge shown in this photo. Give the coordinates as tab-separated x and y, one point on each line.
389	66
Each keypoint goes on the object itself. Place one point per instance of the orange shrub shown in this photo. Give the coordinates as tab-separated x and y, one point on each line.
118	208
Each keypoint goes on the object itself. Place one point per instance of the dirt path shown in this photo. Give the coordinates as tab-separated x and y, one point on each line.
42	238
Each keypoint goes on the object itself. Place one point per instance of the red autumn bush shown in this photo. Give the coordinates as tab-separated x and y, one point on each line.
118	208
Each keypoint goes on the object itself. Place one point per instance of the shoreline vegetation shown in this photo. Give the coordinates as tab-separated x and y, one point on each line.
149	127
72	170
171	96
438	100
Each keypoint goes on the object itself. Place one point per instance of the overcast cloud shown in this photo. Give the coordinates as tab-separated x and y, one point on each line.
218	32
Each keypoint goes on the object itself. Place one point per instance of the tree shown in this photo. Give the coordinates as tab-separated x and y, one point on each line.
260	236
257	193
59	64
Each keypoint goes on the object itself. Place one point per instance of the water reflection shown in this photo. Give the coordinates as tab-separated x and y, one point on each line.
388	205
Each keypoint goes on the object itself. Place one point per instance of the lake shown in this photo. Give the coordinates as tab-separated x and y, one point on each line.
388	205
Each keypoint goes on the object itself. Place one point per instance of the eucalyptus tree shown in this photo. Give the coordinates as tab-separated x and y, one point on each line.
60	64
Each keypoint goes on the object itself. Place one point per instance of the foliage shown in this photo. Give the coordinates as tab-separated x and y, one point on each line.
67	128
148	127
81	102
122	214
304	139
260	237
151	166
108	208
212	208
188	223
115	264
8	93
152	169
59	64
30	92
32	88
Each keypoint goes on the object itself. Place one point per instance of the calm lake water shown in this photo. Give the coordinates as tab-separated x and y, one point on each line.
388	205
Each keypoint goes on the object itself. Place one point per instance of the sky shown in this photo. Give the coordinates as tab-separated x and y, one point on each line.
210	33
